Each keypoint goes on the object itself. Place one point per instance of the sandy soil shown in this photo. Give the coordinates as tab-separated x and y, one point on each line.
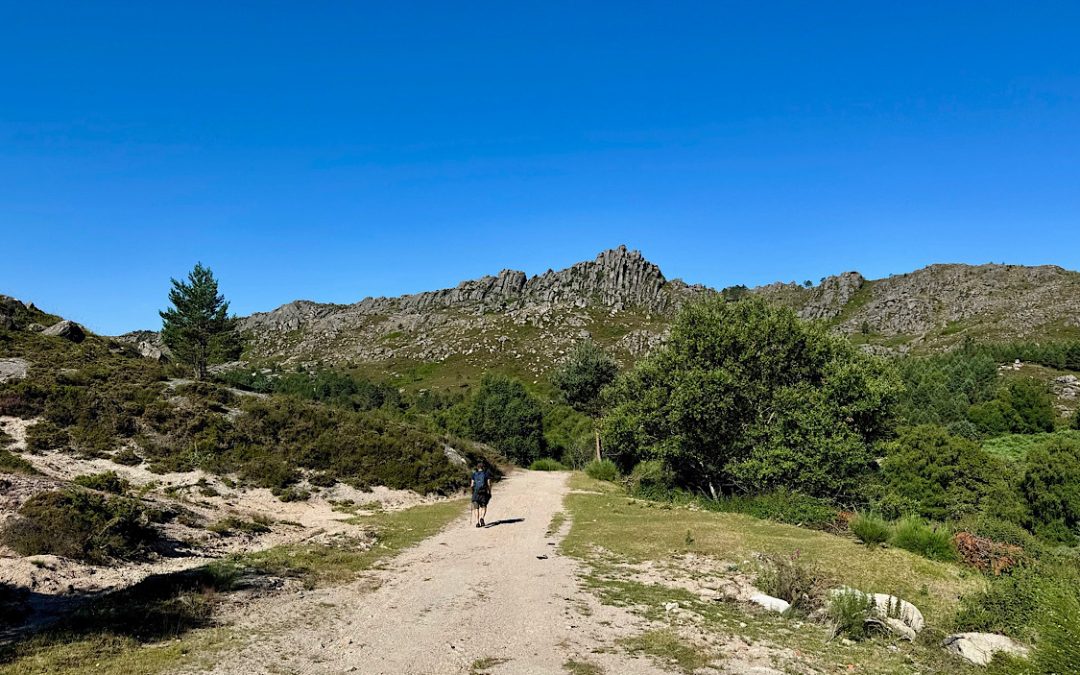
500	595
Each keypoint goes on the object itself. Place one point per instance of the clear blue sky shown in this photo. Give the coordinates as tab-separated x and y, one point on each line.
333	150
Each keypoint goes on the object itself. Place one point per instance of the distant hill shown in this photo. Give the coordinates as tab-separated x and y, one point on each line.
524	324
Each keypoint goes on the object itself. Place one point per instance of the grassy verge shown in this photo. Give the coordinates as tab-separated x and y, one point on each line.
609	530
165	621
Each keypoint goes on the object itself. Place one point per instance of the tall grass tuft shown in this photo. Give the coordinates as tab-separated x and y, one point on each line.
871	529
603	469
930	541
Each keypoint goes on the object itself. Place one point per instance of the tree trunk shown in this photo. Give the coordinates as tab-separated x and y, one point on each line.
597	431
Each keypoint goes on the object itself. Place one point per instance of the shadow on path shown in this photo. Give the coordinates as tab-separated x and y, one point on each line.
505	521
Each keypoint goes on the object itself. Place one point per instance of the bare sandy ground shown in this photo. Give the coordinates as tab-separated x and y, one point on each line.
501	597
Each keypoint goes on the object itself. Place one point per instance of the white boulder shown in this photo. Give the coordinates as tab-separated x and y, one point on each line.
770	603
979	648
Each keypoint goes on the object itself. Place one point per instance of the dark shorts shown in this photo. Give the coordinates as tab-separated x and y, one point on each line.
481	498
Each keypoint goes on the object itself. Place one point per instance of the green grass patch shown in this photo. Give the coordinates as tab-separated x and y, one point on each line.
556	523
634	531
1016	446
669	649
640	530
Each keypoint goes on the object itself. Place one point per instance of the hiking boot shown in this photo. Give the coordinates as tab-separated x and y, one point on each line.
482	523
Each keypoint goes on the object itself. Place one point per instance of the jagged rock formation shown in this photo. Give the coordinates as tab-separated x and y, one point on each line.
620	299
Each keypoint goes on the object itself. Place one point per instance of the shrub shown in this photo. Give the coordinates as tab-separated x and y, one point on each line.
652	479
45	435
108	481
1007	604
849	611
127	457
931	541
232	524
603	469
790	578
747	394
1051	486
940	476
871	529
81	525
783	506
547	464
12	463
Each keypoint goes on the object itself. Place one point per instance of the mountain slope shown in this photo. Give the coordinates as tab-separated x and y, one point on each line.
624	302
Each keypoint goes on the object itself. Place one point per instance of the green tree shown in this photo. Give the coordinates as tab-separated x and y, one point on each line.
940	476
1051	485
745	396
582	377
1033	404
505	415
198	328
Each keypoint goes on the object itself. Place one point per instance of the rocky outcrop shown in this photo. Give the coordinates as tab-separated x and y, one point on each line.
69	330
489	315
899	616
979	648
13	369
148	343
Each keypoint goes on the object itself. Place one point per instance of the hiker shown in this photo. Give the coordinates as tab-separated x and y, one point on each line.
481	493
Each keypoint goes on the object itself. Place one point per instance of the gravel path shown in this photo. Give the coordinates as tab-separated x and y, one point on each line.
498	600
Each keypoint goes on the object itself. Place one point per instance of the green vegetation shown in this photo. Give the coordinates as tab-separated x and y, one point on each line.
198	328
581	379
848	611
746	397
669	649
547	464
790	578
82	525
871	529
611	534
603	469
10	462
928	540
505	415
108	481
1051	485
939	476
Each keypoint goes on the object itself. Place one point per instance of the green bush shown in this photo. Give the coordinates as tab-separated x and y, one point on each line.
940	476
603	469
108	481
1007	604
871	529
12	463
81	525
747	394
849	610
652	479
547	464
127	457
232	525
940	389
45	435
1051	486
931	541
782	506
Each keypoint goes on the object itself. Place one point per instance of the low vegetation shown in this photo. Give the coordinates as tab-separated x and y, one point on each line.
82	525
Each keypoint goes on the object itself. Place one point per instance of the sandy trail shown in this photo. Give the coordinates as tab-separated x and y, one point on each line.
501	596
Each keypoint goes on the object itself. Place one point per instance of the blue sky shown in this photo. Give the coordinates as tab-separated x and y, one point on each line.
332	150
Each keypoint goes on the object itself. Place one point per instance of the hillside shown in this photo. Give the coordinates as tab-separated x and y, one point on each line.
624	302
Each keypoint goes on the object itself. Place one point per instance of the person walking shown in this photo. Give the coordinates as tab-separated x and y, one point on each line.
481	493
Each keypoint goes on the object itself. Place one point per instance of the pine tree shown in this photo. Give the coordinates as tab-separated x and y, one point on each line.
198	328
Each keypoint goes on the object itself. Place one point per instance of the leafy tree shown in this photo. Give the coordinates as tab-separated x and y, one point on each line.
582	377
1022	407
505	415
940	476
941	389
1051	485
198	328
745	396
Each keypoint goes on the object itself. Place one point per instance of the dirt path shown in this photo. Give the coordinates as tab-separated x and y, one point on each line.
498	600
